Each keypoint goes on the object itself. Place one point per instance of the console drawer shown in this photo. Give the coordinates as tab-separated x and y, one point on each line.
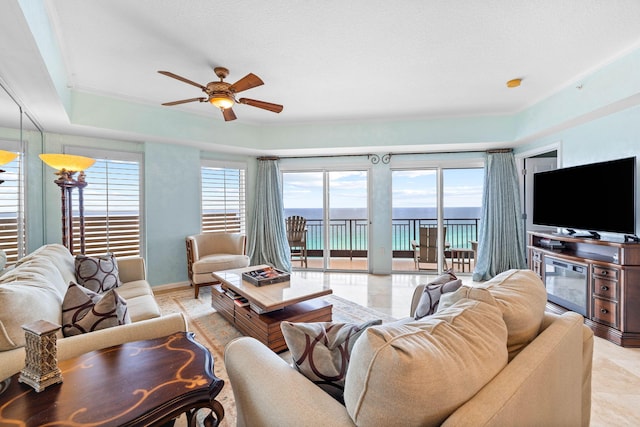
605	288
609	273
605	311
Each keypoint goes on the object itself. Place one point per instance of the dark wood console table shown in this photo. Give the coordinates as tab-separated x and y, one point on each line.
133	384
613	281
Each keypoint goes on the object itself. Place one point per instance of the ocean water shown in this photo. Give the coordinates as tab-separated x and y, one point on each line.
349	226
397	213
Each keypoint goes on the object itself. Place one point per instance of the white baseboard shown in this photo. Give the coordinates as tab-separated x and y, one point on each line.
171	286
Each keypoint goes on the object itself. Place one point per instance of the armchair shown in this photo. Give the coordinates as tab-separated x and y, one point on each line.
211	252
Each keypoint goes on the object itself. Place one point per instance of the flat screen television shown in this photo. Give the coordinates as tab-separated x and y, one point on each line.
597	197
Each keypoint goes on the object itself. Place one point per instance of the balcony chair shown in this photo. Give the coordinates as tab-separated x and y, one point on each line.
210	252
297	237
426	251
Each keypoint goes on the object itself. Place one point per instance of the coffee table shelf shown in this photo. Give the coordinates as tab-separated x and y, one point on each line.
266	327
298	300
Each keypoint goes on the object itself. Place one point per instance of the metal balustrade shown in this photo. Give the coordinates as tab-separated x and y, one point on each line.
349	237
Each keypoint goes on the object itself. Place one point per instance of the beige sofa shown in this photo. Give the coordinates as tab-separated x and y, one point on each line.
34	290
487	357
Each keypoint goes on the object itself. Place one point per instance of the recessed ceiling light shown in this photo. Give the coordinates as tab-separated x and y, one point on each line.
514	83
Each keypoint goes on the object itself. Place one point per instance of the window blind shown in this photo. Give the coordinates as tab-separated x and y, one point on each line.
223	198
12	222
112	201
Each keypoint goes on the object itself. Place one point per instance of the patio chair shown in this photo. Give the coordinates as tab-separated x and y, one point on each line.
426	250
297	237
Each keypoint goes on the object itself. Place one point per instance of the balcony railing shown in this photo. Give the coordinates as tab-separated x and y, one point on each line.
349	237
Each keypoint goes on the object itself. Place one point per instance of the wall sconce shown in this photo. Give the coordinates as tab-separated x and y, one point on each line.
67	166
6	157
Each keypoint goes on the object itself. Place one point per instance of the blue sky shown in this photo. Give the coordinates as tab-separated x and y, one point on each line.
411	188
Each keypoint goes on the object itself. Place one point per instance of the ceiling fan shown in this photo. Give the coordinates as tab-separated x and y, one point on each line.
222	94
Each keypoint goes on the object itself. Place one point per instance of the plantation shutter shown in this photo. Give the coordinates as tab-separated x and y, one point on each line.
12	222
112	204
223	197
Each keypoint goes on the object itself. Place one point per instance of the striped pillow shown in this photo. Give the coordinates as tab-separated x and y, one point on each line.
84	310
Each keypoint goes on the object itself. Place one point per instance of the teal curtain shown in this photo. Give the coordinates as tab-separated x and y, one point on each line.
267	242
501	242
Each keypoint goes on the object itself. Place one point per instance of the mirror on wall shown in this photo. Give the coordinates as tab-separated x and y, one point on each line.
17	131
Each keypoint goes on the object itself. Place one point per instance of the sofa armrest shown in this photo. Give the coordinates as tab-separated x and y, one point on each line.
143	330
268	391
12	361
543	384
131	269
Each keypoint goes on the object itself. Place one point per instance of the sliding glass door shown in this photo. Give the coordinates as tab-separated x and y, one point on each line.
436	215
334	204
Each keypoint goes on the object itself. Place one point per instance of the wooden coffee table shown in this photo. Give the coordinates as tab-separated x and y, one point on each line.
133	384
297	300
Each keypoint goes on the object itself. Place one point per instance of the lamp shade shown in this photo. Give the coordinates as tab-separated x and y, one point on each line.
221	101
67	161
7	156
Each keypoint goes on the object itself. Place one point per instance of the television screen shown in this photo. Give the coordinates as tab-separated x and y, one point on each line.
594	197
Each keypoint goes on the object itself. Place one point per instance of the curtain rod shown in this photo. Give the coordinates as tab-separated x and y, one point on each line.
376	158
500	150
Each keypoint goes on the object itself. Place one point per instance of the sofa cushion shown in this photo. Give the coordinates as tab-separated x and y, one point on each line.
39	271
521	297
85	311
97	273
143	307
418	373
59	256
134	289
321	351
22	302
430	298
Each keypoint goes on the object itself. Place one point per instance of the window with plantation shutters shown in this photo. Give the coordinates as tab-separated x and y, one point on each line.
12	223
112	200
223	198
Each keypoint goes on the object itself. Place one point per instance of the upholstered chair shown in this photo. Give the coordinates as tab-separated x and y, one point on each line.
211	252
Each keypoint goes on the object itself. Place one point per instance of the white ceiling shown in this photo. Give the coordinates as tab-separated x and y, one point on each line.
331	60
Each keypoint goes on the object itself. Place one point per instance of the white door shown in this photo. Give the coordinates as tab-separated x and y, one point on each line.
534	165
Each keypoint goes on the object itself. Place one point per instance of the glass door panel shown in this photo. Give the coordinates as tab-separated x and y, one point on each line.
462	202
348	232
303	195
415	205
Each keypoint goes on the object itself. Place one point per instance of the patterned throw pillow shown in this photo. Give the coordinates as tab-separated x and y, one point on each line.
321	351
84	310
428	304
97	273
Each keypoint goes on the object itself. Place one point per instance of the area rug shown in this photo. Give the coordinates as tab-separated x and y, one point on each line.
214	332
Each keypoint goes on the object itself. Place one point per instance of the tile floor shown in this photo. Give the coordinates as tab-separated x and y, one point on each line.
616	370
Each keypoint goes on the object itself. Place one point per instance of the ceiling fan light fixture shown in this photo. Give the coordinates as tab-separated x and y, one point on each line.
514	83
222	101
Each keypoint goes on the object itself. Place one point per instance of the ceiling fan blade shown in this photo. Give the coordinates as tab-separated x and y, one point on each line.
182	79
184	101
247	82
228	114
276	108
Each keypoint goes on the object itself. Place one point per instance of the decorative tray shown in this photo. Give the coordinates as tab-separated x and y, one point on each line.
265	276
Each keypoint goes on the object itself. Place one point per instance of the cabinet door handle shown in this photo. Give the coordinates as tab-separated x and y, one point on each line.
604	273
604	311
604	288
